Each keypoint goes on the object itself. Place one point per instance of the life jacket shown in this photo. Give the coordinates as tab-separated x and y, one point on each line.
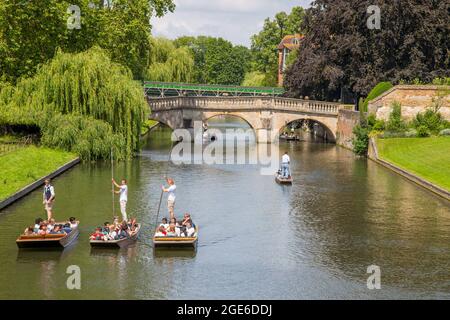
48	192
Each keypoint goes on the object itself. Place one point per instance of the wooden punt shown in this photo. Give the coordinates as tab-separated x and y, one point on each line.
117	244
280	180
48	241
176	242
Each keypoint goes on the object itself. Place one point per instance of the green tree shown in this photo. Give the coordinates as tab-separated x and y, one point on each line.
78	99
170	64
31	32
340	52
217	61
265	43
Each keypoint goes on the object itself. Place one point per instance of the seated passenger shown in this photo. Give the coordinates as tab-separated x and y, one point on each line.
172	232
67	228
37	224
97	235
43	230
116	222
29	231
186	219
164	223
161	232
123	232
106	228
112	235
57	230
190	231
73	222
51	225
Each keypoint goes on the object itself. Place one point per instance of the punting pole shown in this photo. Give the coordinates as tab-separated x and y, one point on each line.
112	184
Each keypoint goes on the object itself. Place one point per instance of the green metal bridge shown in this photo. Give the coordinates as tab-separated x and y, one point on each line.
164	89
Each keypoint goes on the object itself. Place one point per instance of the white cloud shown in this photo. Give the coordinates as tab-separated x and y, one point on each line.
235	20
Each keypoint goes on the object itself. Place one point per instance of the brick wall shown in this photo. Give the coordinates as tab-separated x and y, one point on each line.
414	99
347	120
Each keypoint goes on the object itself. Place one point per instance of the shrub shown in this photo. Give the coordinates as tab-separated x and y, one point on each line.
377	91
361	140
431	120
395	123
423	132
411	133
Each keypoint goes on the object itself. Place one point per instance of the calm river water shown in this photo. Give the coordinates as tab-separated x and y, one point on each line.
258	240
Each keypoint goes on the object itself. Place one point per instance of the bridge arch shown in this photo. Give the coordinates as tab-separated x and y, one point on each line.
329	125
209	116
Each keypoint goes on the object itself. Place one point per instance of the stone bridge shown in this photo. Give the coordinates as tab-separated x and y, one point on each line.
267	116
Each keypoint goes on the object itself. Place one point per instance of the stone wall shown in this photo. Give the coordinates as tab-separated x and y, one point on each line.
347	120
414	99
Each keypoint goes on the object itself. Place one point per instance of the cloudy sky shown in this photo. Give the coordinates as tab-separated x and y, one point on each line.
235	20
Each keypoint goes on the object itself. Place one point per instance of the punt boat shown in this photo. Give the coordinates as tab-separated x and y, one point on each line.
176	242
48	241
280	180
117	244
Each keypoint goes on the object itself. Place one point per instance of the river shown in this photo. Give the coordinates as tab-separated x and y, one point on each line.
258	240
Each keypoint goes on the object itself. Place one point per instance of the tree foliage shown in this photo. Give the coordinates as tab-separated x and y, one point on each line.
31	32
341	52
217	61
82	102
265	43
170	64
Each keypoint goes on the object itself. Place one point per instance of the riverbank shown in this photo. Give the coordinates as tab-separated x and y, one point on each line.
27	165
148	126
423	160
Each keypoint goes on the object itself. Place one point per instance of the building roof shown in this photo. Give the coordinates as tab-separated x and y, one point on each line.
291	41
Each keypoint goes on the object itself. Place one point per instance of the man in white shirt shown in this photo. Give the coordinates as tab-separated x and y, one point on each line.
123	199
285	164
171	198
49	199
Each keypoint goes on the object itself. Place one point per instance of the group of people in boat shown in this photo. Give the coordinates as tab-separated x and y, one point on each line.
289	136
181	229
44	227
115	231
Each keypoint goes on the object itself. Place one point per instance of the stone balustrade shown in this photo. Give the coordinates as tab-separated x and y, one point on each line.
245	104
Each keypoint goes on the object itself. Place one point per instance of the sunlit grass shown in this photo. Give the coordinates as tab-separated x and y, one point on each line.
24	166
428	158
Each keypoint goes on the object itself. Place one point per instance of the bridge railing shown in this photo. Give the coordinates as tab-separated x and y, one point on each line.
244	103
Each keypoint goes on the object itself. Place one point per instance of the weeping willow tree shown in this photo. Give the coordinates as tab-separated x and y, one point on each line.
82	102
170	64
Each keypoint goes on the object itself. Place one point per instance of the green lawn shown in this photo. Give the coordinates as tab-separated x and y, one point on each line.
428	158
24	166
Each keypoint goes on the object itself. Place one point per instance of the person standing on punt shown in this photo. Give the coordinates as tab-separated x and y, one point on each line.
171	198
49	199
123	191
285	166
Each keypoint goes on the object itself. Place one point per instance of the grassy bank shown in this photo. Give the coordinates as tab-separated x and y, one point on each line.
26	165
428	158
147	126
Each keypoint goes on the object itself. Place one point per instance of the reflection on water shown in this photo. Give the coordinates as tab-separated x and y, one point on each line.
258	240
